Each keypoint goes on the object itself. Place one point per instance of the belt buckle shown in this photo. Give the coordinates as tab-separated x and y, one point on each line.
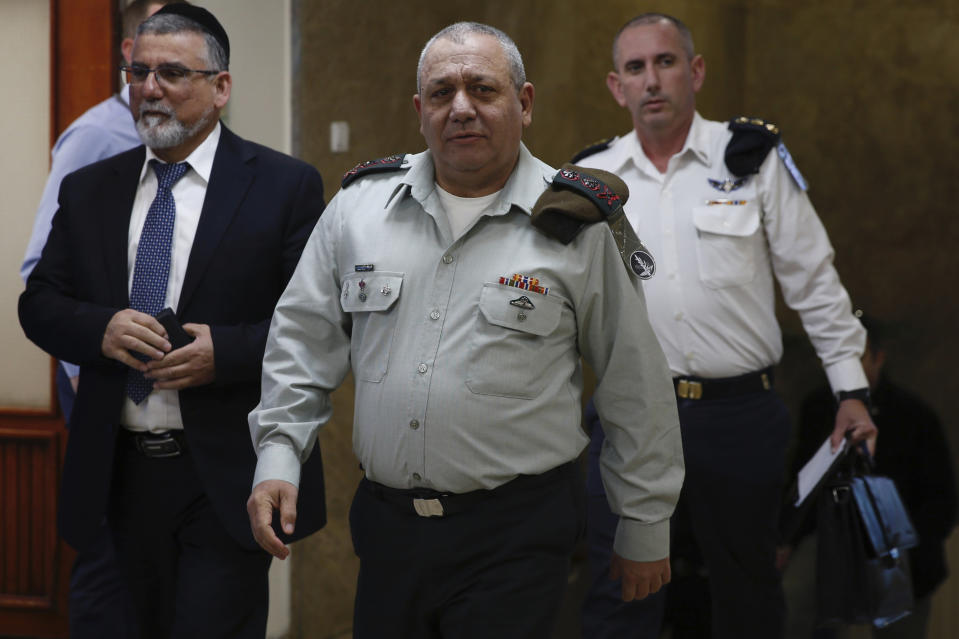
159	447
428	507
686	389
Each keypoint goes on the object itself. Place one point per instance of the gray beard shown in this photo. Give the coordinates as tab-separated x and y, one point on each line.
165	135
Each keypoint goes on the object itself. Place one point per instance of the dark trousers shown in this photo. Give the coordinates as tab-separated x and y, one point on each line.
98	603
187	577
497	570
735	458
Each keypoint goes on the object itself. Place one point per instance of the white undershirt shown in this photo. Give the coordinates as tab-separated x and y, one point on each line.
462	212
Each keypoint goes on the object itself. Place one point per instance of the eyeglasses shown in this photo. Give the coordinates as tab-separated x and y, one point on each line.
166	75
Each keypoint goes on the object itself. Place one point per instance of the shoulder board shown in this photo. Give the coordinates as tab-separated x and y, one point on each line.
380	165
592	149
752	140
590	187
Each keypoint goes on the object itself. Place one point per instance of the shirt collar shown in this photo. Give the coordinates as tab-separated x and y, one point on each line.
629	148
524	186
201	160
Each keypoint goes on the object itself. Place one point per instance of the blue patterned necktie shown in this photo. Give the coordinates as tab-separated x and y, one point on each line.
152	267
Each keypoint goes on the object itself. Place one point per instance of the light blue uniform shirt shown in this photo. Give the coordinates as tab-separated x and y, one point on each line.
102	131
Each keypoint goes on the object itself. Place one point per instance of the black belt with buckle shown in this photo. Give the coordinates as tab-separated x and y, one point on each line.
719	388
172	443
431	503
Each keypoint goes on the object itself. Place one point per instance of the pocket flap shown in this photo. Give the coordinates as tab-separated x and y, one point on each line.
372	291
740	220
521	310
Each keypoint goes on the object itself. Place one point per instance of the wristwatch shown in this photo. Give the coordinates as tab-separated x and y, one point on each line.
862	394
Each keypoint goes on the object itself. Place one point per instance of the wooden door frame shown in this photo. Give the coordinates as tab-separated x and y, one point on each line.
34	562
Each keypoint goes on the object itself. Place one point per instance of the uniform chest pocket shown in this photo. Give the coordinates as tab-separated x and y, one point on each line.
509	352
726	245
371	298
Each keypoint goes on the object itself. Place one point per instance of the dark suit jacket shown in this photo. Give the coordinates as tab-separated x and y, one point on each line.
259	210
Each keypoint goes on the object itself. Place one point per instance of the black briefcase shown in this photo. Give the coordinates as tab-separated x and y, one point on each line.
864	531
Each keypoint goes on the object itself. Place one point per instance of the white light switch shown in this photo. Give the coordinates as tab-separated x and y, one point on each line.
339	136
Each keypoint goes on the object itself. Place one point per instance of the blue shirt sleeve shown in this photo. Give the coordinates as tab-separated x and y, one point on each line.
103	131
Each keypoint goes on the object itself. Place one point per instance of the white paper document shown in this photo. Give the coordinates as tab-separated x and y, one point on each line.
816	467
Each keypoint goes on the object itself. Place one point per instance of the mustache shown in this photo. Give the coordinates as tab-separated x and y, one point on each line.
155	107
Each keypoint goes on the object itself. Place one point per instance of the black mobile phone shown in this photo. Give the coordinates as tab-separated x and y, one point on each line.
175	333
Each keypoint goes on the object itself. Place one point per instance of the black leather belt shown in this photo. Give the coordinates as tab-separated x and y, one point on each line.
431	503
721	387
172	443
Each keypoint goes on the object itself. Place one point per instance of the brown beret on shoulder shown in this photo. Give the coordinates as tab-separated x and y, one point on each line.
577	197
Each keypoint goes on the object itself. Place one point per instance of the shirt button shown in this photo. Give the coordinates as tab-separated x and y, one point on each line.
678	316
689	356
416	476
447	259
422	368
434	314
414	424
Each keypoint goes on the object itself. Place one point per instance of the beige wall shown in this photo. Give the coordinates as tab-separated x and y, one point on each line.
25	129
866	94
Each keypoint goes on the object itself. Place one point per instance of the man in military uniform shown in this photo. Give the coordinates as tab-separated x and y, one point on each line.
464	326
723	210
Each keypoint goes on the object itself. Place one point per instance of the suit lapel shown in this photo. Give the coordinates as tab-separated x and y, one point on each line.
230	179
116	223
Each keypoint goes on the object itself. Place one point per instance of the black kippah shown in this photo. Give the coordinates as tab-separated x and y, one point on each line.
203	18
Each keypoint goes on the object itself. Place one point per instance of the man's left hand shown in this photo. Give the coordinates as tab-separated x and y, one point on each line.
191	365
853	417
640	578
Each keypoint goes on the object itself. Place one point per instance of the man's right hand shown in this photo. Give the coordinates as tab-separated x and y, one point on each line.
267	496
639	578
131	330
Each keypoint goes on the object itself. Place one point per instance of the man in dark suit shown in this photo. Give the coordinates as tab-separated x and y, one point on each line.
206	223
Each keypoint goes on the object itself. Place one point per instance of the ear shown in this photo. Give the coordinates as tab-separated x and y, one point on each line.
418	105
698	69
126	49
223	84
526	95
615	87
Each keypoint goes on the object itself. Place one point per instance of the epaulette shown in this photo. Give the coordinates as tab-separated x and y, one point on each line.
591	188
381	165
752	141
592	149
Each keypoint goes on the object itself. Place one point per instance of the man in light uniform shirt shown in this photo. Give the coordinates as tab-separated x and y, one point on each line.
464	327
721	220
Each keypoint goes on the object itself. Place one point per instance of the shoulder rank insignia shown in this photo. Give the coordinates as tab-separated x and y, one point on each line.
752	141
596	147
594	189
578	197
381	165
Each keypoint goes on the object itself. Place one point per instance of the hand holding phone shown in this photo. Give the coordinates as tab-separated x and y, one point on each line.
175	333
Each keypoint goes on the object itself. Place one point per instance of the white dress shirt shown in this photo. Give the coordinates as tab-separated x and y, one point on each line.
712	301
160	411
